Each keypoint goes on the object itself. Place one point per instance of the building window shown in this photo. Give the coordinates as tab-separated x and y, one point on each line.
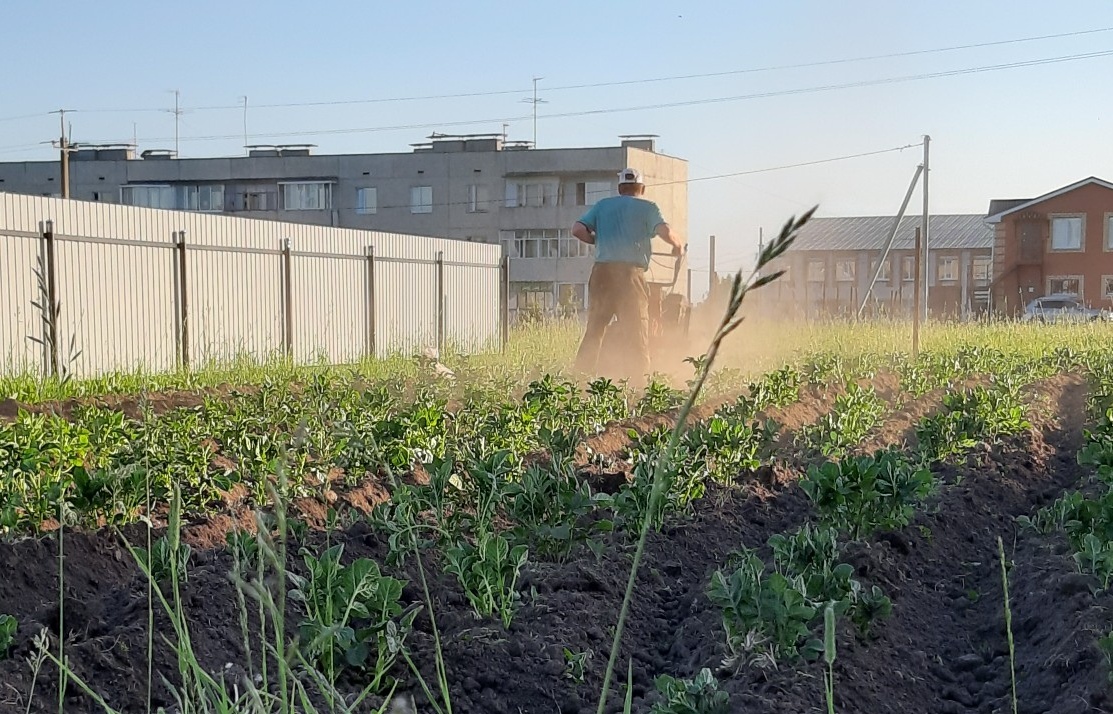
948	268
817	271
588	193
543	244
908	268
886	270
148	196
530	194
844	270
1107	287
421	199
1064	285
367	200
201	198
1066	233
982	266
571	298
1109	231
479	198
306	196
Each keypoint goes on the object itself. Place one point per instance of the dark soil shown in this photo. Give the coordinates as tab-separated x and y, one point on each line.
943	650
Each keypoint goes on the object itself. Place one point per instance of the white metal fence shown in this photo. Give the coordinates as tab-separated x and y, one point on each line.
154	289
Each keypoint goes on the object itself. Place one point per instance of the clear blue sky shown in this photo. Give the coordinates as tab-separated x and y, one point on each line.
1010	133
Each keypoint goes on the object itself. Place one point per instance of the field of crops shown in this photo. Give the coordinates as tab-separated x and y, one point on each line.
840	528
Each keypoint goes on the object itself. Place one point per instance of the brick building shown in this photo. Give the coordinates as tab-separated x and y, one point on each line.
1060	242
833	260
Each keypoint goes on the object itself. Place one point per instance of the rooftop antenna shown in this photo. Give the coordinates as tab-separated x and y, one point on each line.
177	112
244	98
535	101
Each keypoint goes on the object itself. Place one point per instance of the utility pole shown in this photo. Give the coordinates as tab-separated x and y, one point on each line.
244	98
535	101
711	269
916	301
924	227
177	112
64	147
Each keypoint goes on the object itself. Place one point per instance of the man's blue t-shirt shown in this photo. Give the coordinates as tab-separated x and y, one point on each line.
624	228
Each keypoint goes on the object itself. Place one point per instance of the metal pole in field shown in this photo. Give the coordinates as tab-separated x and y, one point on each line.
711	269
924	227
440	303
504	302
688	295
372	348
51	308
183	301
916	301
287	299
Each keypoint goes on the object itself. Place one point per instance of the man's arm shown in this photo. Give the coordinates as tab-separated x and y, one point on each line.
665	232
584	229
583	234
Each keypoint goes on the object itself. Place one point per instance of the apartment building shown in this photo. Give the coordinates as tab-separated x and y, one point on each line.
832	263
1057	243
467	187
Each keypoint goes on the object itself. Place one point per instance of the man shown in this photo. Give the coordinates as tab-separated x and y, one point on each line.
621	228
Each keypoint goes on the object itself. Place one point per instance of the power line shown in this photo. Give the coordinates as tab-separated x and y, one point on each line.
626	82
845	157
669	105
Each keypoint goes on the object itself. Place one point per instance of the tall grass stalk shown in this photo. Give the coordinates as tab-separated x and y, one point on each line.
829	655
730	322
1008	620
438	649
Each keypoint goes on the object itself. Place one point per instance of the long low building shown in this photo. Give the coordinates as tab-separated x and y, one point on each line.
833	262
477	188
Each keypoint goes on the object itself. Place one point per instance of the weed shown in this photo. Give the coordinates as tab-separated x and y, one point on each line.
700	695
575	664
8	628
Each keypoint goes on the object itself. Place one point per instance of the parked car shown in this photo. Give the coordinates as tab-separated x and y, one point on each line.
1061	308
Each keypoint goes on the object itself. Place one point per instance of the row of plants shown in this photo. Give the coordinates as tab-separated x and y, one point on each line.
1085	515
785	607
102	468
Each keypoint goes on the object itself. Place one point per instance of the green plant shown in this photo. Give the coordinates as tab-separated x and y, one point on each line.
575	664
353	614
700	695
863	494
166	559
766	616
552	510
1105	646
8	627
488	571
854	414
969	417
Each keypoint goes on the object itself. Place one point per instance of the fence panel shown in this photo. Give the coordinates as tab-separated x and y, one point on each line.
19	254
117	305
119	277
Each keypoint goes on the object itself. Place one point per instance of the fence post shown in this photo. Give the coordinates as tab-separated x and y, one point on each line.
287	300
50	309
371	336
183	302
440	302
504	302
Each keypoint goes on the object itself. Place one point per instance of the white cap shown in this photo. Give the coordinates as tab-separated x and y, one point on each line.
629	176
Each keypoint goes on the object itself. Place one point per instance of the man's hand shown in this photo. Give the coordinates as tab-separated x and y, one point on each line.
677	251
